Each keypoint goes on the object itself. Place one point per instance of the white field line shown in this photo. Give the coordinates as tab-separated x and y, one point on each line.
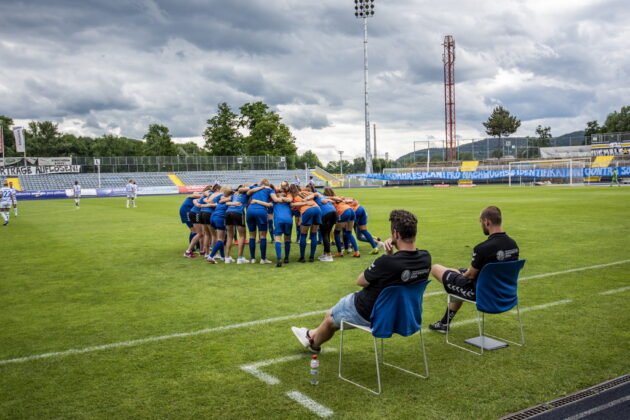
311	404
240	325
599	408
254	368
610	292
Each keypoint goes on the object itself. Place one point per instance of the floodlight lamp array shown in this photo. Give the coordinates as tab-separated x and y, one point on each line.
363	8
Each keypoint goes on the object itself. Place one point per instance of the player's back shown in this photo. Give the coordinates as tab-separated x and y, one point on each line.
6	194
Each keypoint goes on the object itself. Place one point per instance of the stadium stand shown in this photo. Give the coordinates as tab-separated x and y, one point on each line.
600	162
468	166
154	179
108	180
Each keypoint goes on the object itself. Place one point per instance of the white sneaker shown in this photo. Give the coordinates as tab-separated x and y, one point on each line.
265	261
228	260
327	258
300	334
242	260
253	261
220	259
322	257
211	260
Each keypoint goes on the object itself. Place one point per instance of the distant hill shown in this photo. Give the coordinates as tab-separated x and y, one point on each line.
483	147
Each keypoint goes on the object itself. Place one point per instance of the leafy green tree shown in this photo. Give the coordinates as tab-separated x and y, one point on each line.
43	138
618	122
501	124
309	158
592	127
159	142
222	136
9	140
334	168
544	136
267	135
497	153
189	149
358	165
111	145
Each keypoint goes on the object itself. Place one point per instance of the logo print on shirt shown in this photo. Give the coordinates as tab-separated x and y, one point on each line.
405	276
500	255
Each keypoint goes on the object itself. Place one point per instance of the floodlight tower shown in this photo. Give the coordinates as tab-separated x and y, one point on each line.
363	9
449	96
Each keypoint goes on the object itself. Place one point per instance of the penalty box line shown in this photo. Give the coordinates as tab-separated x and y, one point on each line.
243	324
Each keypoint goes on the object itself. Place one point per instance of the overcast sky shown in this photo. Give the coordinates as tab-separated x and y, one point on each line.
117	66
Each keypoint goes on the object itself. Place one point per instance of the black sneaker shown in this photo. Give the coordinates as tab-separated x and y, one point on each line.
286	260
311	259
302	260
279	263
438	327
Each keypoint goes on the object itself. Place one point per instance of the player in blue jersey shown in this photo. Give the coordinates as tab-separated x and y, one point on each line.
194	216
218	222
235	222
360	225
257	219
329	218
283	223
311	218
185	207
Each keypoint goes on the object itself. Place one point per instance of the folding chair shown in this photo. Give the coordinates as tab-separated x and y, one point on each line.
398	310
496	292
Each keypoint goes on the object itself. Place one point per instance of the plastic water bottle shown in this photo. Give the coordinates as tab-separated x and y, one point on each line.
314	370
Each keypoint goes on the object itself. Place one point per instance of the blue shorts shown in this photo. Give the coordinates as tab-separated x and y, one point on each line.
217	222
312	216
282	228
184	217
346	309
361	216
257	218
346	216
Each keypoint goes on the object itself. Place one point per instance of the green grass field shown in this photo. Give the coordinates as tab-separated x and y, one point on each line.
104	274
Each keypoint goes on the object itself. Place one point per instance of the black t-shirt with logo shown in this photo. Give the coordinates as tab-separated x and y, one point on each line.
403	267
498	247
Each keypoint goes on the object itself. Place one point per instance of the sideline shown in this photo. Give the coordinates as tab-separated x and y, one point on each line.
243	324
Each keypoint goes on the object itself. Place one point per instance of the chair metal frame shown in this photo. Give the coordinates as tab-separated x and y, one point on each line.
481	324
376	357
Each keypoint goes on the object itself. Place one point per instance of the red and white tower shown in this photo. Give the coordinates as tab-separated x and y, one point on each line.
449	97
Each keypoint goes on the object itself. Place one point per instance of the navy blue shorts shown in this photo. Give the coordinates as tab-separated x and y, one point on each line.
347	216
217	222
361	216
257	219
282	228
312	216
295	213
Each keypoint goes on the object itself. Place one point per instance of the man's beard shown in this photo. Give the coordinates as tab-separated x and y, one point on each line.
485	230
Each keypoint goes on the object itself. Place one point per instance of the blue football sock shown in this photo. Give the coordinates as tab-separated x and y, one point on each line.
252	248
369	237
338	240
278	250
313	244
263	248
217	246
351	239
302	244
287	249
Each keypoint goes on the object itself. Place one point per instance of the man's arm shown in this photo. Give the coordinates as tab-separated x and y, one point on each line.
253	190
471	273
361	281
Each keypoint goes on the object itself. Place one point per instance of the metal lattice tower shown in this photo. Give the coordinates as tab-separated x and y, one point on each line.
364	9
449	97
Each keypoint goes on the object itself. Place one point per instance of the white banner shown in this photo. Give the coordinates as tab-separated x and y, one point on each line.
20	142
54	161
10	161
35	170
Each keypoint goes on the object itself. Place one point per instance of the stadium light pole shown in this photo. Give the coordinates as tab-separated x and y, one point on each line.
340	161
364	9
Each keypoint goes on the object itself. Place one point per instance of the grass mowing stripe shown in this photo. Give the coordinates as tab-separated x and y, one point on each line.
241	325
610	292
311	404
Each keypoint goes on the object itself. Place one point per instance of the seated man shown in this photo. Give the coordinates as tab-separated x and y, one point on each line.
407	266
498	247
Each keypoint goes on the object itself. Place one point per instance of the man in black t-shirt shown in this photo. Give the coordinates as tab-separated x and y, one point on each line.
498	247
407	266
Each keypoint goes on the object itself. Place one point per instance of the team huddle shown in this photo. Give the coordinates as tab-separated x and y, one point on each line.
219	214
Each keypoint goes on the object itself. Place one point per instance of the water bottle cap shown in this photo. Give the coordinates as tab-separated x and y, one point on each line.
314	356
